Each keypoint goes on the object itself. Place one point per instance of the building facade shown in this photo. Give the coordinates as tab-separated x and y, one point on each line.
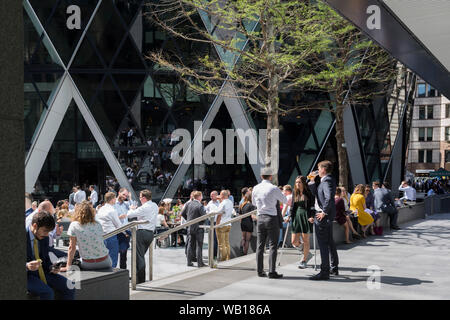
97	111
429	147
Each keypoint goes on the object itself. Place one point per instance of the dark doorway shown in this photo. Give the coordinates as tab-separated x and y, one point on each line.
92	172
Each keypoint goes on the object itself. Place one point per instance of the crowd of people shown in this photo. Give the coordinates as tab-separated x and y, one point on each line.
313	202
431	186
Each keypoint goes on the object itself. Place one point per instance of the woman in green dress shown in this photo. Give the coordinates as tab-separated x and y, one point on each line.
302	218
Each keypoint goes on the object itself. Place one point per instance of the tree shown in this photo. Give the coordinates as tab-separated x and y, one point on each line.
266	47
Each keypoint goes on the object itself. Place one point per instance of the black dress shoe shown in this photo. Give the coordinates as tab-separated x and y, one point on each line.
334	271
275	275
190	264
395	228
320	276
262	274
201	265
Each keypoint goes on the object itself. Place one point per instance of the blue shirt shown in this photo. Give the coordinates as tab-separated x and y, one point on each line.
122	208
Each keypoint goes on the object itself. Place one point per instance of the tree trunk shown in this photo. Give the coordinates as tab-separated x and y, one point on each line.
272	146
342	151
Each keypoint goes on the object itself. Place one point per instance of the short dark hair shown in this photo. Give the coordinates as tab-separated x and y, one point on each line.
377	183
338	191
44	219
244	191
266	177
91	186
328	165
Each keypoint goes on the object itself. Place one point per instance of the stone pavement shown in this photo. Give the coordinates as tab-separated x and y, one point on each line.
413	263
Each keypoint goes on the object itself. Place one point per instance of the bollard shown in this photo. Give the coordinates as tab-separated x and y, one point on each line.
133	258
150	261
211	243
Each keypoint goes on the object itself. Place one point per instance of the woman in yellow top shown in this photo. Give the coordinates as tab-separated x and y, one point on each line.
358	204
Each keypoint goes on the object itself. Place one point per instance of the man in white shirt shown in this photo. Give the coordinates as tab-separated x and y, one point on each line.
409	193
79	196
122	207
225	210
94	196
109	219
144	235
265	197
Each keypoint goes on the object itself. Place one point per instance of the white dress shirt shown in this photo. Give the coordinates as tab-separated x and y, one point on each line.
212	206
94	197
265	196
108	218
148	211
226	211
410	193
79	196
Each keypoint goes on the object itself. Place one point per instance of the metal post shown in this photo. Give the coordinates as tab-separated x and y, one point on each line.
150	261
211	243
133	258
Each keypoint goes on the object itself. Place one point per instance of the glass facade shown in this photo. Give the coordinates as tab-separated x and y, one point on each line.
137	105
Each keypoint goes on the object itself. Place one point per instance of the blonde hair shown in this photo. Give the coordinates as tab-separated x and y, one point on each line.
62	214
360	188
84	213
109	196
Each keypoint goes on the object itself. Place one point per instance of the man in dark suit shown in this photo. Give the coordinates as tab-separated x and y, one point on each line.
324	188
195	243
384	202
41	279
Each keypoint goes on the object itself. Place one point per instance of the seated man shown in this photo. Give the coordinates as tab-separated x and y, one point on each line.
409	192
41	280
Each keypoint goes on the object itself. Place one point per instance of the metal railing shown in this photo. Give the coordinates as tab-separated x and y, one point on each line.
210	228
133	226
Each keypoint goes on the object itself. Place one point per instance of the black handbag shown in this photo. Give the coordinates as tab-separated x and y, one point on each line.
388	208
62	262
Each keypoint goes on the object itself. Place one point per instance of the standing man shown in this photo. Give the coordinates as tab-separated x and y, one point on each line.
145	232
384	201
213	206
79	196
323	186
41	279
94	196
122	208
108	218
196	234
223	233
265	197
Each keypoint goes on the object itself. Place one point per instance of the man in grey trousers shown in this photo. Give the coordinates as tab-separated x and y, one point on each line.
384	202
265	197
145	232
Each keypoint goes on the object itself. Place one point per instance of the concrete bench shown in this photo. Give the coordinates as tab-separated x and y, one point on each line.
106	284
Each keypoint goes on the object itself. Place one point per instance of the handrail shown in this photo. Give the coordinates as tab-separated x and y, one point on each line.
123	228
240	217
185	225
133	226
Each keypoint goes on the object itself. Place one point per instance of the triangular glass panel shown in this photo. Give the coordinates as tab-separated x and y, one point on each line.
87	84
44	9
129	85
128	9
39	90
65	30
108	110
38	51
31	38
86	57
74	158
129	57
34	108
107	31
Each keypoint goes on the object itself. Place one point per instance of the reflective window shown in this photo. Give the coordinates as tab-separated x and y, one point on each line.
429	156
421	134
421	156
430	112
447	134
421	90
429	134
422	112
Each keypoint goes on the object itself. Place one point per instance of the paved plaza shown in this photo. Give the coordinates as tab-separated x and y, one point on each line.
412	263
